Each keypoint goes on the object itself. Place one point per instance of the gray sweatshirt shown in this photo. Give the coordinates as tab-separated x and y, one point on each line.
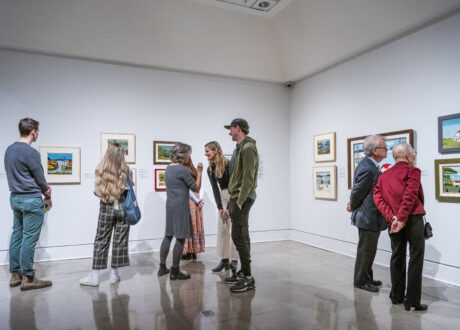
24	170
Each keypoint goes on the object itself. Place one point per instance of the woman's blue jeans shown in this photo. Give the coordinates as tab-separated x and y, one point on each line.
27	224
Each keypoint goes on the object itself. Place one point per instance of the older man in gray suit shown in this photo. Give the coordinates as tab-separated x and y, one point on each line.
365	214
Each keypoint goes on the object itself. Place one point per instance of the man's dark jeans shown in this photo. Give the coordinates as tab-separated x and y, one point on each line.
240	232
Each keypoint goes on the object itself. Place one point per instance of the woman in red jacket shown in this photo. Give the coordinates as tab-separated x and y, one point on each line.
399	197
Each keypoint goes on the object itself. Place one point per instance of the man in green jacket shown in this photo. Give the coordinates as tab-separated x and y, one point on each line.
242	189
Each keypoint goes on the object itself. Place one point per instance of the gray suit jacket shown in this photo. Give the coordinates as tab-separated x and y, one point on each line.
365	214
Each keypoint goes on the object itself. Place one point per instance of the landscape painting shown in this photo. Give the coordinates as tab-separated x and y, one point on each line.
123	143
449	134
447	173
324	147
60	164
325	182
356	150
160	179
126	140
162	152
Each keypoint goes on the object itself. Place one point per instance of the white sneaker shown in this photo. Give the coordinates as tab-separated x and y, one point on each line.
90	280
114	278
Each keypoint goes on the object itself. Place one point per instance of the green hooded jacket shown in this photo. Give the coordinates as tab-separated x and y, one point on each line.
243	171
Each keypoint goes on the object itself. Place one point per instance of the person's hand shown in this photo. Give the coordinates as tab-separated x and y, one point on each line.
348	207
240	206
396	226
201	203
48	192
199	167
48	204
221	213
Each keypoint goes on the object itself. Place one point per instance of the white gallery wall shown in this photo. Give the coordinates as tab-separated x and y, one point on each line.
404	85
76	100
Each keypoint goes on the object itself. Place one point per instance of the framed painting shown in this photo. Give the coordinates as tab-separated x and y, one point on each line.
160	179
126	140
324	147
449	134
355	150
61	164
325	182
162	152
447	176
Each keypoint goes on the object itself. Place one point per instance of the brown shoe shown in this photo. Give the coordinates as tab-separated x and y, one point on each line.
32	283
16	279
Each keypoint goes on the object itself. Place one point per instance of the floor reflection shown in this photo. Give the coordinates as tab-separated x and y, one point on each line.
118	317
26	318
365	318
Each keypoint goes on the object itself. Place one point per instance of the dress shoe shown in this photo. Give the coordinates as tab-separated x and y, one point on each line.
417	307
396	301
223	264
367	287
176	274
16	279
377	283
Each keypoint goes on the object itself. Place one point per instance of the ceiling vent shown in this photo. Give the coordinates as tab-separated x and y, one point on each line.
262	5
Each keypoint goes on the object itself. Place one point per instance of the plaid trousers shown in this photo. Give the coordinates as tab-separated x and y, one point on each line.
111	220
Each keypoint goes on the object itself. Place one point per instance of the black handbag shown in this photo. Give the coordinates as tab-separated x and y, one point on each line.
428	230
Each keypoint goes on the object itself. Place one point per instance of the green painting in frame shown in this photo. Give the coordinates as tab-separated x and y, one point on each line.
447	176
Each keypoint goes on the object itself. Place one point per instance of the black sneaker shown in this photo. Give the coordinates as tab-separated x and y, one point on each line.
233	278
244	284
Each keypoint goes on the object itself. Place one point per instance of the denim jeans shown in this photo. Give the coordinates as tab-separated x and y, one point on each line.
27	224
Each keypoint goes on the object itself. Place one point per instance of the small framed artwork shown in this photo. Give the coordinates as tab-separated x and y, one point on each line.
61	164
355	150
134	179
449	134
447	175
325	182
160	179
324	147
126	140
162	152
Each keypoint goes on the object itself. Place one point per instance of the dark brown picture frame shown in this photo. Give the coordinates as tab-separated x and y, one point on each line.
156	153
441	148
409	132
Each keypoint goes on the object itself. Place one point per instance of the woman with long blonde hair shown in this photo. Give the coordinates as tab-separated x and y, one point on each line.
219	176
111	184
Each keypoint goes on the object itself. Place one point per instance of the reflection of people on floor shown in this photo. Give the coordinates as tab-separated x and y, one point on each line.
172	315
365	318
325	312
119	318
22	312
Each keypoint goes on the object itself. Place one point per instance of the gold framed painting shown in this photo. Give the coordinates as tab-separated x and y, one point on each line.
162	152
325	182
447	176
324	147
126	140
61	165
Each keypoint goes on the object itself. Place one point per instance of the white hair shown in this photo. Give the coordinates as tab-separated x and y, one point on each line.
370	143
402	150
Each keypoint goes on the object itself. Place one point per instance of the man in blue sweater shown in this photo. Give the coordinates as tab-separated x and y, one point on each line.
27	184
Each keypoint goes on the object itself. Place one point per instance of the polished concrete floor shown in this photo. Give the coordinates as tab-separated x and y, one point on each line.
297	287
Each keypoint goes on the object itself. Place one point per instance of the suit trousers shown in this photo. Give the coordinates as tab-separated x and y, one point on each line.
367	248
412	233
240	232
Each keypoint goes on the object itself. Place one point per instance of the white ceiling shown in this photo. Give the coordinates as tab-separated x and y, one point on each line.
296	39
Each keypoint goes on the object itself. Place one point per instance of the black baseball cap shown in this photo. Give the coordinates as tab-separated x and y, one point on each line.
238	122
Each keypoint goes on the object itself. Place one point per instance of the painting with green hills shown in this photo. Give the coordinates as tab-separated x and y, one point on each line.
451	133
